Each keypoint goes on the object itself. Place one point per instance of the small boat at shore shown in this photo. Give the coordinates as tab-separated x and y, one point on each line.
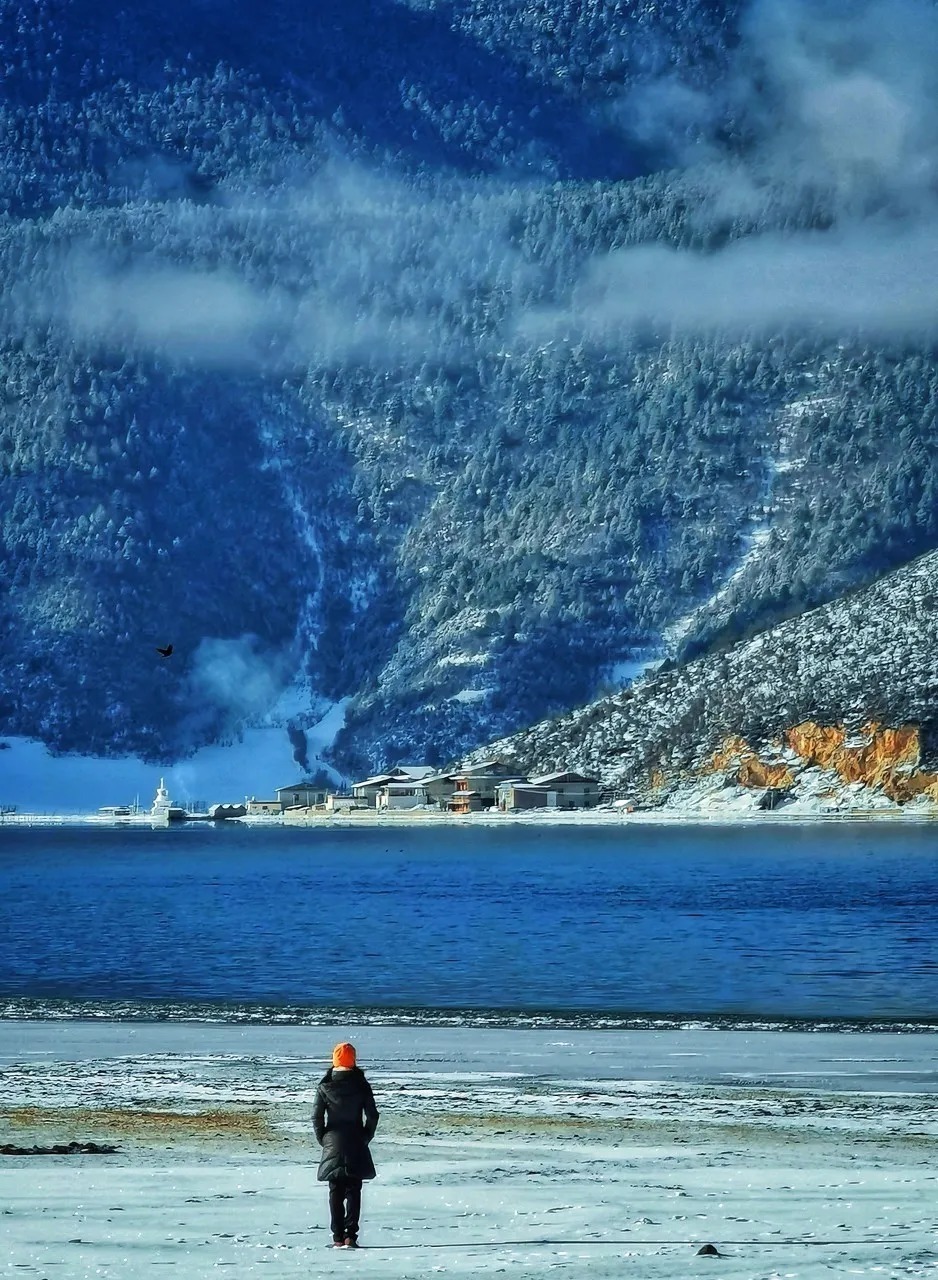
119	810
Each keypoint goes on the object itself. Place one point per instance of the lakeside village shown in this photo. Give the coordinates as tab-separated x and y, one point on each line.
414	790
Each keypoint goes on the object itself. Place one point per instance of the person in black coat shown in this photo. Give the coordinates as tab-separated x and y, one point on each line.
344	1120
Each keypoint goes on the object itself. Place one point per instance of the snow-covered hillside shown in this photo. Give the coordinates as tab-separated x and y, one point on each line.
447	361
839	707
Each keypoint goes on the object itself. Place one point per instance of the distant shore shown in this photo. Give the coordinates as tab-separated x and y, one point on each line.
534	818
50	791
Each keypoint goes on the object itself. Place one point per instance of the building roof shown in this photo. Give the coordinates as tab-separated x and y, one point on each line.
302	786
551	779
379	780
399	773
483	771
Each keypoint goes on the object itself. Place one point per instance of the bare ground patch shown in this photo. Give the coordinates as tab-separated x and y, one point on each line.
641	1132
115	1124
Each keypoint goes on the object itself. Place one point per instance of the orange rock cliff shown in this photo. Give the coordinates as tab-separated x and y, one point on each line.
878	756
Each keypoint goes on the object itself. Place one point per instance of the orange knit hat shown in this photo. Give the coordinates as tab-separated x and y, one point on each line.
343	1055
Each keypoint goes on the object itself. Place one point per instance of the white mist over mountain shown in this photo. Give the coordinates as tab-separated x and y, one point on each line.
837	99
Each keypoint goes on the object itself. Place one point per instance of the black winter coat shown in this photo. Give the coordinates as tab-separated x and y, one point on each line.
344	1120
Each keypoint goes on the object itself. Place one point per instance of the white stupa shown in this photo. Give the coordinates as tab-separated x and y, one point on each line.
161	803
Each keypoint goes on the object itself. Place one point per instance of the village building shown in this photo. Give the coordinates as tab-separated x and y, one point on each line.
438	788
302	795
518	793
345	804
227	810
482	778
464	801
368	788
401	794
565	790
263	808
574	790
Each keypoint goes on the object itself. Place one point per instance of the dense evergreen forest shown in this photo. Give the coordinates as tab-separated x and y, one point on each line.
447	356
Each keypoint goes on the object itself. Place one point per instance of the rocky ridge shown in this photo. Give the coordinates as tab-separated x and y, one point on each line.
835	710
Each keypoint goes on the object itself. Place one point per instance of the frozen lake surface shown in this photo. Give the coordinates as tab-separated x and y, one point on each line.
617	1152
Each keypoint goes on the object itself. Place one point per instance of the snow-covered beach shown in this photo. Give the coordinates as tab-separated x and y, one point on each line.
795	1154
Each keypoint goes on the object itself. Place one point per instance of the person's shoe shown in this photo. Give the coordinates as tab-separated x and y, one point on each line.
350	1243
340	1244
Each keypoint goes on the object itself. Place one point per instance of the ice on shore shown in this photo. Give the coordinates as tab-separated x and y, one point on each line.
524	1150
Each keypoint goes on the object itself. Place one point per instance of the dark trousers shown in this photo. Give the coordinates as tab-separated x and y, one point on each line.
345	1206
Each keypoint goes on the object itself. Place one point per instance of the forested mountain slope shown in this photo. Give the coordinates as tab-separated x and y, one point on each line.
844	697
450	357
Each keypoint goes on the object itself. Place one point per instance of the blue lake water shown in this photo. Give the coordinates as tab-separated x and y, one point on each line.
825	922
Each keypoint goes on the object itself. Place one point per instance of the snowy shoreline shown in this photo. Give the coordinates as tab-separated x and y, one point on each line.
68	790
543	817
793	1153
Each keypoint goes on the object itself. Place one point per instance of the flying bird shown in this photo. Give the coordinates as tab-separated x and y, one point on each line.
165	653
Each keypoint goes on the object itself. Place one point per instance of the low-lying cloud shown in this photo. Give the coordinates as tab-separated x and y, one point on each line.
834	99
234	681
204	317
829	282
355	268
831	96
844	90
